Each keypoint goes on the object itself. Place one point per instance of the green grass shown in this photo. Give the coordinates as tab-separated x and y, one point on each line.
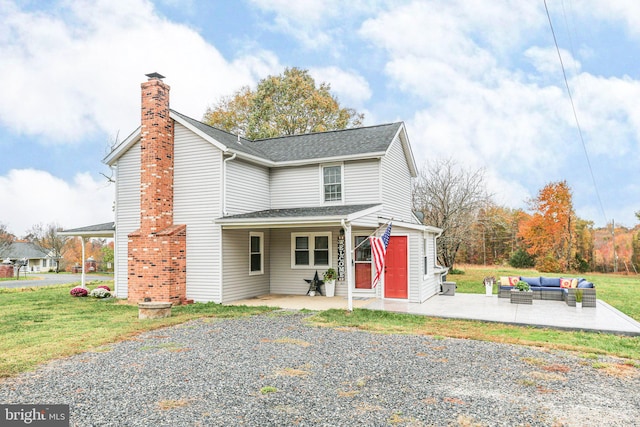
396	323
38	324
620	291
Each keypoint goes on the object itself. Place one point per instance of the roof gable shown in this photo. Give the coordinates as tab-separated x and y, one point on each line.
345	144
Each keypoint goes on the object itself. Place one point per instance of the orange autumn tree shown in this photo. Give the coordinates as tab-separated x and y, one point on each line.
549	233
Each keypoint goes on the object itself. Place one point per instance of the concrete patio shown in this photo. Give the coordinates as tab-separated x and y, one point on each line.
542	313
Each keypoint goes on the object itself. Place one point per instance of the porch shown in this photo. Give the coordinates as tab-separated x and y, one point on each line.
543	313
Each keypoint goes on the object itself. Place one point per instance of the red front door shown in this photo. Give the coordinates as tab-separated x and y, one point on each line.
395	274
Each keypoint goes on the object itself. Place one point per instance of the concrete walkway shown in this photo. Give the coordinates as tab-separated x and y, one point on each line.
542	313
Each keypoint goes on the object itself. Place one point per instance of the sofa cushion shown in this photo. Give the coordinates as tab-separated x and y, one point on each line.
585	284
509	280
550	282
532	281
565	283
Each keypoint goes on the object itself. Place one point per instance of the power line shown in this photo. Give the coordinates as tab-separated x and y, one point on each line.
575	114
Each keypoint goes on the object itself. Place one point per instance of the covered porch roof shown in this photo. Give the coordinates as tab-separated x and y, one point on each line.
315	216
107	229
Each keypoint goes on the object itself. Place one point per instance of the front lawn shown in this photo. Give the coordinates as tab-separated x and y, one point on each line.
38	324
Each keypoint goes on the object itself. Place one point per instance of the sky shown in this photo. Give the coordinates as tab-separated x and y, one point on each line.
479	82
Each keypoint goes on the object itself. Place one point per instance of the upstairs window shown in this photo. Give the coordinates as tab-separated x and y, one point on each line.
332	180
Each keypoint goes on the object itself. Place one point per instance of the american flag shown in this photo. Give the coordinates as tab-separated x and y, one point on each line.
378	252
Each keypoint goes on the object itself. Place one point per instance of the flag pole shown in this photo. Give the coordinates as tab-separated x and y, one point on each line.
372	234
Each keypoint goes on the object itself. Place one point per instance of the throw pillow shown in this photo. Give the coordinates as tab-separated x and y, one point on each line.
574	283
513	280
504	281
565	283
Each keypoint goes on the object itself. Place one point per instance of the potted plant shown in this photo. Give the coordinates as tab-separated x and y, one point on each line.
521	293
330	282
488	285
579	299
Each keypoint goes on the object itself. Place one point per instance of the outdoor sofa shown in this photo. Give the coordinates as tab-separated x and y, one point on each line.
552	288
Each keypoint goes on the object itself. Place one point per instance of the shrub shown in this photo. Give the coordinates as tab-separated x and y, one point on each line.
104	287
521	259
548	264
456	271
78	292
100	292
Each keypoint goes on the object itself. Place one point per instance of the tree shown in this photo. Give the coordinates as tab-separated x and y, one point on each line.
287	104
449	198
47	238
5	239
550	232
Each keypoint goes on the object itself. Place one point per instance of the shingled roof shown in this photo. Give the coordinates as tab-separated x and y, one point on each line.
362	142
19	250
319	145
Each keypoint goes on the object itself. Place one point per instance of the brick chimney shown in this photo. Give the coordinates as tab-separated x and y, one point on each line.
157	250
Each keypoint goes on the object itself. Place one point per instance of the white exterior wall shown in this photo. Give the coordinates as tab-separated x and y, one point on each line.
294	187
284	279
238	283
196	203
127	214
247	187
430	280
396	184
362	182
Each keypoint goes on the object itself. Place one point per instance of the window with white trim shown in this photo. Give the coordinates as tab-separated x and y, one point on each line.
332	183
310	250
256	253
425	251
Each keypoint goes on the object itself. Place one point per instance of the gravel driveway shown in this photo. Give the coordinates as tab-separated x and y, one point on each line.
274	369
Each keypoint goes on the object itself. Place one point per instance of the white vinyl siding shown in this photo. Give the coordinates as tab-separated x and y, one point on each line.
127	213
287	280
197	202
362	182
238	283
294	187
247	187
396	184
430	282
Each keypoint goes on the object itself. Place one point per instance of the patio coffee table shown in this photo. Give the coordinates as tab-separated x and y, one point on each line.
521	297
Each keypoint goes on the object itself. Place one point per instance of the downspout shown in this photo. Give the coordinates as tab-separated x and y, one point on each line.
224	183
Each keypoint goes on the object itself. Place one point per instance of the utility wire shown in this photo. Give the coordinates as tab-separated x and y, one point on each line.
575	115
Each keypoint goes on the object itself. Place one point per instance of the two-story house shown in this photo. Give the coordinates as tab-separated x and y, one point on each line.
205	215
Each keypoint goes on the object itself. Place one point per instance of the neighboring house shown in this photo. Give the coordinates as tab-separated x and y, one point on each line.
205	215
37	258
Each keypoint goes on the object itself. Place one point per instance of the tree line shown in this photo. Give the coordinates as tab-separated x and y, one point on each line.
548	236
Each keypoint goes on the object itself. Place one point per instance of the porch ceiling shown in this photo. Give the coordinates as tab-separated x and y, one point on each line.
315	216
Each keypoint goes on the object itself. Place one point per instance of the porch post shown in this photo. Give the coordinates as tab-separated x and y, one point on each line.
349	262
82	243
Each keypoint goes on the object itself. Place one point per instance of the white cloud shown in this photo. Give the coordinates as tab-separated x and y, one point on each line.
32	197
350	87
76	70
316	24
